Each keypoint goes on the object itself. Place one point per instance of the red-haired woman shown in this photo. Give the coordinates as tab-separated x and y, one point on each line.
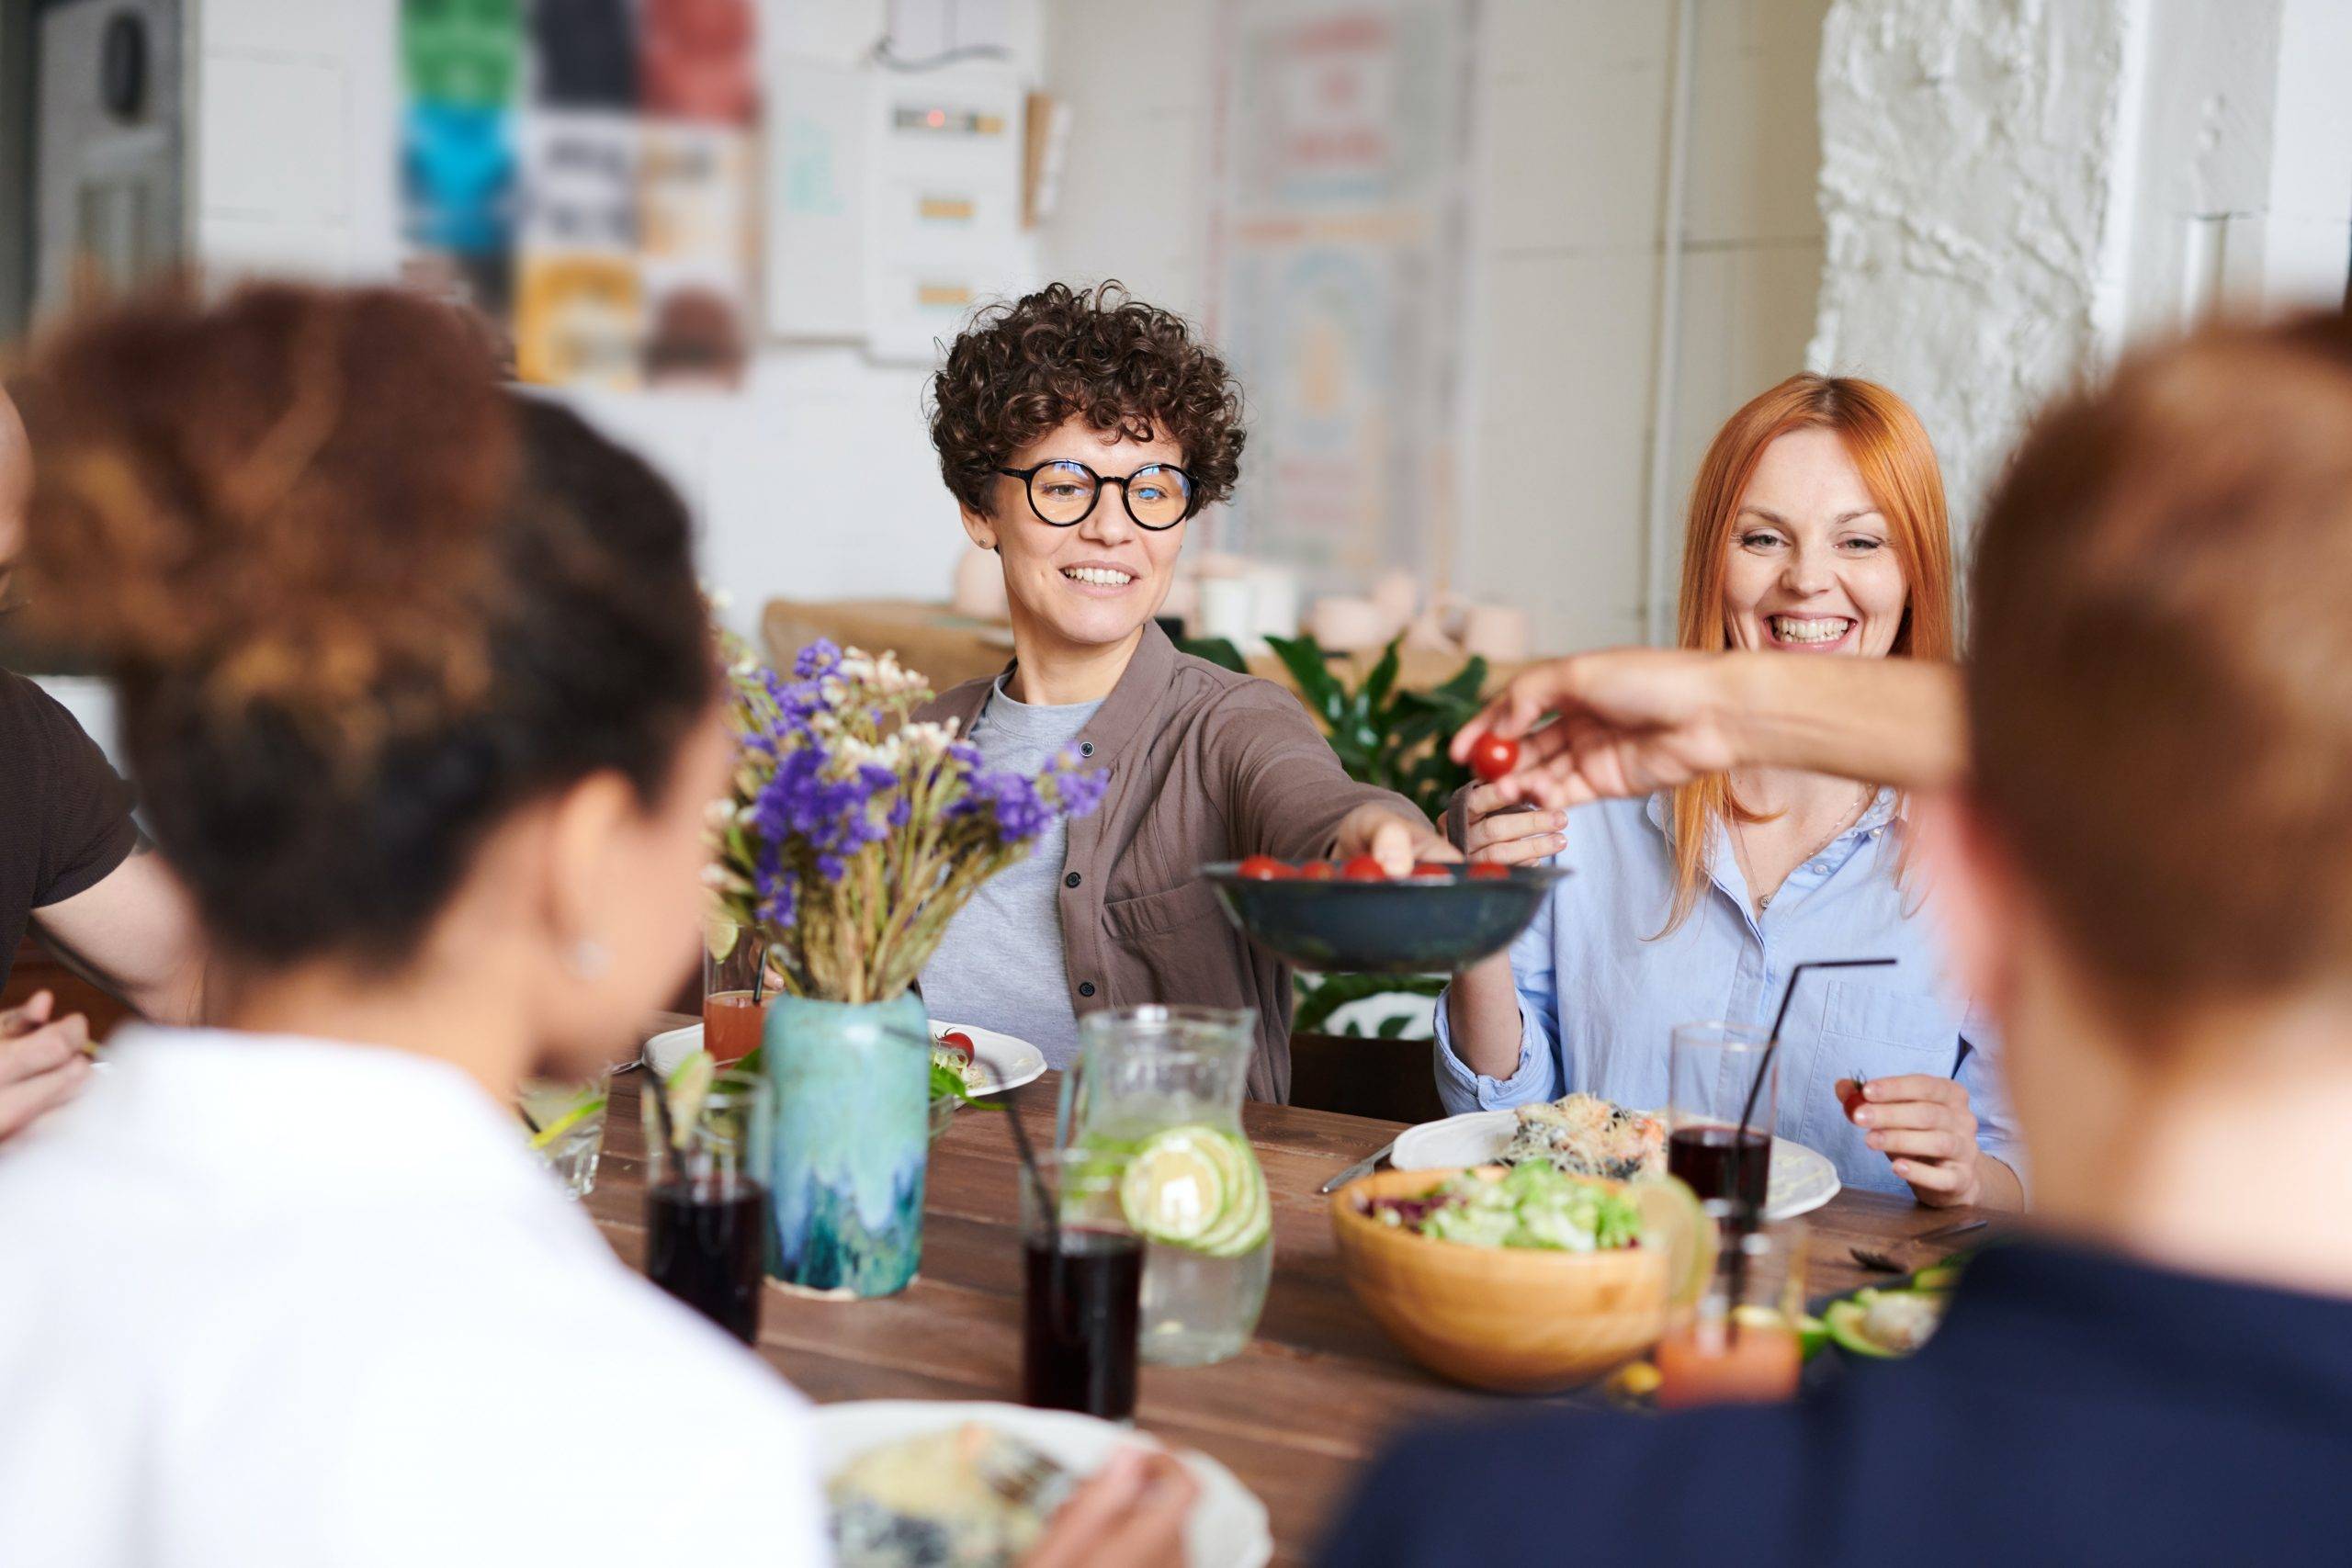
1817	529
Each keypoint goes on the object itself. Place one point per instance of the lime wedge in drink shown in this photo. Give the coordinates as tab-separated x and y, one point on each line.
682	1093
556	1108
1671	1218
1176	1188
719	933
1249	1218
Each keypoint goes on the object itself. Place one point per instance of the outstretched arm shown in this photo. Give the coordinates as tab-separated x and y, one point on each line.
1631	721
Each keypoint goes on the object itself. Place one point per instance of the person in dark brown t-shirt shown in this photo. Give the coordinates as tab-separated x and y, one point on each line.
68	866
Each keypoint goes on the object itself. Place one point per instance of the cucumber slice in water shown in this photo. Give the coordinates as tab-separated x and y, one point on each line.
1177	1189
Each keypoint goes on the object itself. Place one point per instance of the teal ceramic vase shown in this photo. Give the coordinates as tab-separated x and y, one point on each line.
853	1110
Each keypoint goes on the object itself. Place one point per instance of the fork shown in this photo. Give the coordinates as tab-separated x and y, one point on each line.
1887	1262
1017	1475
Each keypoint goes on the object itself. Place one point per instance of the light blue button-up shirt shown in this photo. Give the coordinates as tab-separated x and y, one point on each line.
1601	992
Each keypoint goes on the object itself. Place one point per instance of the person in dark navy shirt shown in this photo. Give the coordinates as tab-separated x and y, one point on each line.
2146	867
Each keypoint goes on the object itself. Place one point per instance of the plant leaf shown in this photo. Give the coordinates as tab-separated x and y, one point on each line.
1303	657
1217	650
1464	685
1383	679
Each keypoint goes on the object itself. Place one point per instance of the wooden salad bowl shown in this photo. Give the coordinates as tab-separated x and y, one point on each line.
1515	1320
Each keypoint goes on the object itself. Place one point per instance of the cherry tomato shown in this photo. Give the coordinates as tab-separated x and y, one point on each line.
1363	868
1850	1095
1488	871
1431	868
1266	868
1493	757
958	1042
1319	871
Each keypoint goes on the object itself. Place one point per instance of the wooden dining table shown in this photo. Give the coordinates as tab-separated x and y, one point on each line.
1295	1416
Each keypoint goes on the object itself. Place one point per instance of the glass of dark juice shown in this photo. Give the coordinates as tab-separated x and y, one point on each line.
1722	1095
1082	1287
707	1197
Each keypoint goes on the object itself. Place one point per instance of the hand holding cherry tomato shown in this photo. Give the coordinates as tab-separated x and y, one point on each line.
1493	757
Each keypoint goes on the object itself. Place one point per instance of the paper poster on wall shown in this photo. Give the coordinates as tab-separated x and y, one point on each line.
1337	276
816	202
943	204
461	64
582	170
579	316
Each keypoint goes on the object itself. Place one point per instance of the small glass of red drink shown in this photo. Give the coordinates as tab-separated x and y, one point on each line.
1081	1302
707	1197
1722	1095
1738	1343
734	992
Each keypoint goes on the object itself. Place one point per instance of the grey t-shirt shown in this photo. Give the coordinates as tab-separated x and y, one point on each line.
1000	965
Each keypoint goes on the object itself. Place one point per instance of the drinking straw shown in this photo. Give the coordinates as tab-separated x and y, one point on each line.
1029	1163
1745	1214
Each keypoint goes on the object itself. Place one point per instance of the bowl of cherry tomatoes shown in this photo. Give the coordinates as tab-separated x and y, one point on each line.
1353	917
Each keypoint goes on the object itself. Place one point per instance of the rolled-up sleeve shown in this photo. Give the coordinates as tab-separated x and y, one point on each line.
1537	1076
1982	1075
1287	791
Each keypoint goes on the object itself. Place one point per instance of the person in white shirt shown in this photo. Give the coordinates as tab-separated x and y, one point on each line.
416	677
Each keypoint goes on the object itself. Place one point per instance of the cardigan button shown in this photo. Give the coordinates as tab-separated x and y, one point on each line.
1086	748
1072	880
1086	988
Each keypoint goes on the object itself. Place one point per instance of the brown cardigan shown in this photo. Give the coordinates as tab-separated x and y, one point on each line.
1205	765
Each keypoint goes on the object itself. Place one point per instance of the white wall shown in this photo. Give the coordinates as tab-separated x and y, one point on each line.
818	481
1569	179
2014	192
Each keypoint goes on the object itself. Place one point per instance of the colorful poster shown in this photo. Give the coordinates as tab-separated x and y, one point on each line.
581	171
460	70
1338	276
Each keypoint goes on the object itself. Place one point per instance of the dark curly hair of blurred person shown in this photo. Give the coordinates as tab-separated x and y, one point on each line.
1021	370
361	601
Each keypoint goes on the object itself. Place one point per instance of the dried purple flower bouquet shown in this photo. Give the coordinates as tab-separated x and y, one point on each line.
853	834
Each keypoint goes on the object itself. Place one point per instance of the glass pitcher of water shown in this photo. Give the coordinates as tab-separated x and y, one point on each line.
1156	1094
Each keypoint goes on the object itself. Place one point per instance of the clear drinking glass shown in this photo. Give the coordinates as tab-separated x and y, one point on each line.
565	1117
734	997
1723	1096
1156	1091
1739	1343
707	1197
1082	1274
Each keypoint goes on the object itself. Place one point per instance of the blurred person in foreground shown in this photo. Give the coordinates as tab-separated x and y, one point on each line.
2143	851
1082	432
1816	531
419	681
71	868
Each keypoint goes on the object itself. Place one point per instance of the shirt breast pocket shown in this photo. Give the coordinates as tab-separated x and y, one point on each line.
1920	1032
1158	914
1878	1033
1164	935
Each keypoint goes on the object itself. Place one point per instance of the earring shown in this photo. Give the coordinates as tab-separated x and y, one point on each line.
589	959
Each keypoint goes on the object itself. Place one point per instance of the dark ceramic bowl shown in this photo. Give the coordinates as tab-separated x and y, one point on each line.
1418	925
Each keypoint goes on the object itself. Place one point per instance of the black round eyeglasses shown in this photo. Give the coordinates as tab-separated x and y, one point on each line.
1158	495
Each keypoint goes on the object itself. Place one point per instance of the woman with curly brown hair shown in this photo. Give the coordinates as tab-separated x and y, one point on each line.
1080	431
419	684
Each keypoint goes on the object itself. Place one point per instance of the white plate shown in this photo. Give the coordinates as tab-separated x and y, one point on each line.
1802	1180
1229	1525
1016	1062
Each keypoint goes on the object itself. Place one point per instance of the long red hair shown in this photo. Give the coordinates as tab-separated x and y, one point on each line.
1890	447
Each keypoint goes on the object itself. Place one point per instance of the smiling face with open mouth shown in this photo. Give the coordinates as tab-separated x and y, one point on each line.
1809	566
1093	583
